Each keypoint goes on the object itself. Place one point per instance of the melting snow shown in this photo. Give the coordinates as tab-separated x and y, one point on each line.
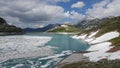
106	37
98	50
93	34
80	37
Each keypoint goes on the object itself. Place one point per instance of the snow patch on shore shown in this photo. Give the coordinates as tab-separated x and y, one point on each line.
106	37
100	45
93	34
98	51
80	37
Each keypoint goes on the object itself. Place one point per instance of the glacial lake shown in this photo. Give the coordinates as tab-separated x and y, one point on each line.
37	50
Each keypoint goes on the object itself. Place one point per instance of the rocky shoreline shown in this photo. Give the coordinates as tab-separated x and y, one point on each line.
73	58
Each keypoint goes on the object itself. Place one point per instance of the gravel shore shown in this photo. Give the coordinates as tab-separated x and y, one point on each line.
73	58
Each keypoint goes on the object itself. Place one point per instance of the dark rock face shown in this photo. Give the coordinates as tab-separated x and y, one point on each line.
2	21
6	29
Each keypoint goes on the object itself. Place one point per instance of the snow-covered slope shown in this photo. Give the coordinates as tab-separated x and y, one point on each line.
100	45
106	37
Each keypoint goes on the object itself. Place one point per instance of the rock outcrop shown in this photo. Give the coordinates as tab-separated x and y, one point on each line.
6	29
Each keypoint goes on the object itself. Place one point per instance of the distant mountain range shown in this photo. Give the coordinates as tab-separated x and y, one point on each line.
83	25
43	29
89	24
104	25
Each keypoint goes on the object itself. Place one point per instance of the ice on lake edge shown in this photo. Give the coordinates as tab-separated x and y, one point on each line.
13	47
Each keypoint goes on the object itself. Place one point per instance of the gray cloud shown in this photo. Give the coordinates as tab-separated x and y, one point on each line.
29	13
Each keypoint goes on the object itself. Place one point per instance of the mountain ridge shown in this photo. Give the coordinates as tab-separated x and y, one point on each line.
6	29
43	29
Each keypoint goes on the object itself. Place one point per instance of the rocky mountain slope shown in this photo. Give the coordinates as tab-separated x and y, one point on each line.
6	29
104	39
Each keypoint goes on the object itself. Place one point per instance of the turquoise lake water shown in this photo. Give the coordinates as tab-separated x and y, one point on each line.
63	45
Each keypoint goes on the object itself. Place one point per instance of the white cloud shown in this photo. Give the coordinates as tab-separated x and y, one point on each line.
32	12
79	4
76	15
104	9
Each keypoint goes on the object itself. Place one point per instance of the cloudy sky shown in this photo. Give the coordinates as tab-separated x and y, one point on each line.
38	13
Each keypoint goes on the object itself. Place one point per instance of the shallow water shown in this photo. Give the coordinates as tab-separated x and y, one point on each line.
37	50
